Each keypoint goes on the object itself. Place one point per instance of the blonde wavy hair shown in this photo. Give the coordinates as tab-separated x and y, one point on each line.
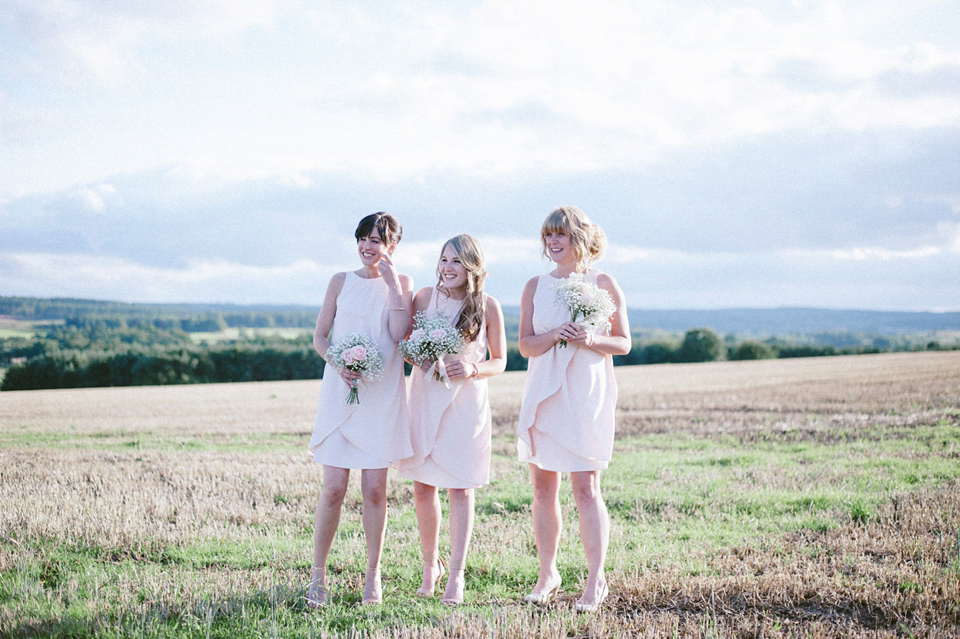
470	322
586	238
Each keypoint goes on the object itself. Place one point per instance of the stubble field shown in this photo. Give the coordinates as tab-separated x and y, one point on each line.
795	498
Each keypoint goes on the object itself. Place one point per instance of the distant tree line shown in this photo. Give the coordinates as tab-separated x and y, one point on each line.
95	351
114	344
705	345
78	369
186	317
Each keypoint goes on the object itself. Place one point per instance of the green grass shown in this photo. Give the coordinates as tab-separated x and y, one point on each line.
226	551
149	441
667	496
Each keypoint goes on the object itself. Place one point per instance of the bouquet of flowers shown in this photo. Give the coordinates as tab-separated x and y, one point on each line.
357	352
432	338
589	305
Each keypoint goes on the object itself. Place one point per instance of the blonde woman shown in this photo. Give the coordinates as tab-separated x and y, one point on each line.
451	426
372	435
567	416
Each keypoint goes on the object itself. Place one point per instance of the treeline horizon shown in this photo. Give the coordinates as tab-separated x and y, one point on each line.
196	317
98	351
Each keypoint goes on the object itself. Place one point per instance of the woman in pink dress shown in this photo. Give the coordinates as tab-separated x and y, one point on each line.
374	434
451	425
567	415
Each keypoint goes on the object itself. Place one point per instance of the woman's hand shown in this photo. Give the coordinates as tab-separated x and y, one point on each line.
572	332
459	369
427	364
389	273
349	376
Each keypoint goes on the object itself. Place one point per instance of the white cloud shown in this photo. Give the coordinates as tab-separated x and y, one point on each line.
72	41
867	254
94	199
394	90
706	128
86	276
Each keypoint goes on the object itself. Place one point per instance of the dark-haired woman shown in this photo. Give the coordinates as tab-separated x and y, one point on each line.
374	434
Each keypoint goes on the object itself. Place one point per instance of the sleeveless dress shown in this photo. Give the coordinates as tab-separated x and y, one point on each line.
569	398
376	432
451	427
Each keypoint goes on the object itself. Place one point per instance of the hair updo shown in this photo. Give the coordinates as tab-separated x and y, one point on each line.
587	239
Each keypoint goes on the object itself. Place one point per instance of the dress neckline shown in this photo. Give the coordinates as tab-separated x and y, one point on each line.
554	277
366	279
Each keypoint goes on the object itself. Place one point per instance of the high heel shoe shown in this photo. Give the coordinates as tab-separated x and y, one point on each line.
317	595
424	592
542	598
457	599
376	593
585	607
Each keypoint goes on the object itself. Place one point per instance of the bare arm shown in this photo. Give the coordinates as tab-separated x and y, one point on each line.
399	303
529	342
496	343
321	334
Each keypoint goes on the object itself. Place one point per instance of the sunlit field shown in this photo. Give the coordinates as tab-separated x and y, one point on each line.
778	498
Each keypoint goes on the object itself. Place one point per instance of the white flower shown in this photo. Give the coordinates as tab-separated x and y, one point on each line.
432	338
589	305
357	352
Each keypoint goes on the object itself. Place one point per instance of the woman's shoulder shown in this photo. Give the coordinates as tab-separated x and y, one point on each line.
599	276
490	303
423	296
336	282
533	281
426	291
608	283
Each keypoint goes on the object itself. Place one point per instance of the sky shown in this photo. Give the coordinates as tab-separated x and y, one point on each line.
737	154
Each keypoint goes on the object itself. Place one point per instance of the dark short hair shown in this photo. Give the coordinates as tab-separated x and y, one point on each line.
389	227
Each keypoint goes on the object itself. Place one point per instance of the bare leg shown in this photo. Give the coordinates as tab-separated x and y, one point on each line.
326	519
428	519
461	526
373	485
547	526
594	532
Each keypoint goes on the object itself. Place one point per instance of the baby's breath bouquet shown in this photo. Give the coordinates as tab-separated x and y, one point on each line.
432	338
357	352
589	305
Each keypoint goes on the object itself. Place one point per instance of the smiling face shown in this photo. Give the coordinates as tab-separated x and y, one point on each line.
452	272
371	248
558	246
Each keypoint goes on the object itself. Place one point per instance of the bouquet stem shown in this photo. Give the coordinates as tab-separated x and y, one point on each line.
354	396
576	316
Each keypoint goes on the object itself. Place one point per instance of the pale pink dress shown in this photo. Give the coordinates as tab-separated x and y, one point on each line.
450	426
376	432
570	396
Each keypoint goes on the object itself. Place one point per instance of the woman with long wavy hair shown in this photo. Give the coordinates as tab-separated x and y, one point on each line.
451	426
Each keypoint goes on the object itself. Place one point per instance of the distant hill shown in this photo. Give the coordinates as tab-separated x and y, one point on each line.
764	322
739	321
783	321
